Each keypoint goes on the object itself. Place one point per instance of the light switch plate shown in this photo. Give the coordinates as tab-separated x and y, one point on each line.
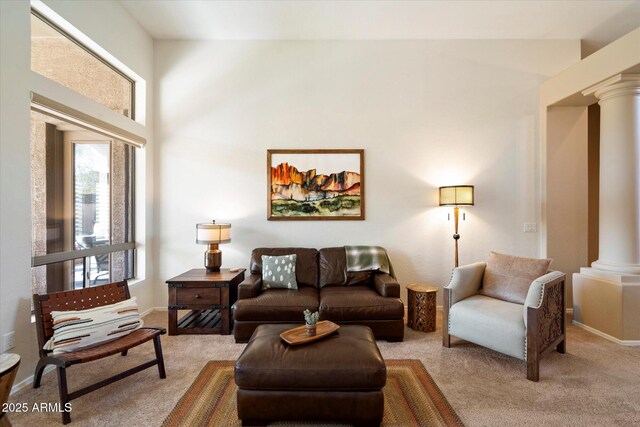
530	227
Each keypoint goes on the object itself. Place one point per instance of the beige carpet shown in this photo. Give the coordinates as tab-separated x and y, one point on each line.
597	383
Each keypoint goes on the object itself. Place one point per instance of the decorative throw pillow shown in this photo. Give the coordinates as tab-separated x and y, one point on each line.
75	330
279	272
508	277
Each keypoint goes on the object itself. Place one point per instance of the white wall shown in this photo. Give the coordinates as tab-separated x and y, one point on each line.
427	113
15	194
567	193
108	24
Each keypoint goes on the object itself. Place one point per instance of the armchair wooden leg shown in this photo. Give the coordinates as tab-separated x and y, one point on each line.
159	357
446	338
37	377
124	353
533	368
64	394
562	347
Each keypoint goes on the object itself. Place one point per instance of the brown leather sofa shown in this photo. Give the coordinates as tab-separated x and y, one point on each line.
324	284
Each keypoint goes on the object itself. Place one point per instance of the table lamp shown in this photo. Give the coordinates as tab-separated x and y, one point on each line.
213	234
456	196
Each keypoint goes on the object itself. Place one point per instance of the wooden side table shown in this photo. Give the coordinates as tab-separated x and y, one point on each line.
9	363
421	307
209	297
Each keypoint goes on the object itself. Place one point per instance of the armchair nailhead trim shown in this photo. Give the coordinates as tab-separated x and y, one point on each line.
541	295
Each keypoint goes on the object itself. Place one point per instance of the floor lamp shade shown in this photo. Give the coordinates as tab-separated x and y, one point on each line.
456	196
213	234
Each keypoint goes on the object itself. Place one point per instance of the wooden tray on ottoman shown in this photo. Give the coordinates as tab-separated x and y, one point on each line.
297	336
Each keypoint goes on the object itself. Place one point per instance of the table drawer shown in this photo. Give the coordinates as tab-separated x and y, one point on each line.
198	296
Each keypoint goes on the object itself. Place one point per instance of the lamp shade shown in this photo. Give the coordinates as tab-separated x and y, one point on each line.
456	195
209	233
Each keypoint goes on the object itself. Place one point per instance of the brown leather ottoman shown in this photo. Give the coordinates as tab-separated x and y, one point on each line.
338	378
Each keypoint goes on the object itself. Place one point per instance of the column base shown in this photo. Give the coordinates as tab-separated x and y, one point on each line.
608	303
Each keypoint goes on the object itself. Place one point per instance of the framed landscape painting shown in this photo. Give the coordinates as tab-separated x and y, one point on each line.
315	184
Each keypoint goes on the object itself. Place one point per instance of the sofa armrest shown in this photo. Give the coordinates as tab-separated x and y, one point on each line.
250	287
536	294
386	285
465	281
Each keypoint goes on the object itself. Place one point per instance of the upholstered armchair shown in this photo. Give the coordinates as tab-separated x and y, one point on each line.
509	304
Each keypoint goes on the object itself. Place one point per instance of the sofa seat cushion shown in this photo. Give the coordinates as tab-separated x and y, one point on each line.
349	303
346	360
491	323
277	305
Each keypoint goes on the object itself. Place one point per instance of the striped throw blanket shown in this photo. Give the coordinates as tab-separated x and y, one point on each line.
368	258
77	329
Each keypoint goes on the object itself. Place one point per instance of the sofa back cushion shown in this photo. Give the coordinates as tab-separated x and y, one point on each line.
279	272
306	263
508	277
333	270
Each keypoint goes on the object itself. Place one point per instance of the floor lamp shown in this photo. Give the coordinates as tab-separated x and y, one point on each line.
456	196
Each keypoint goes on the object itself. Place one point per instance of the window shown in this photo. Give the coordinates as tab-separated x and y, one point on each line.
82	185
82	167
58	57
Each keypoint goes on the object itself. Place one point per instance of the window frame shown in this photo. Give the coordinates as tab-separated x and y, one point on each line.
74	40
75	254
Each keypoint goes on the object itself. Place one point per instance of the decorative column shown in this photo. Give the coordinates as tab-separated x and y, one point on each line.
619	229
607	296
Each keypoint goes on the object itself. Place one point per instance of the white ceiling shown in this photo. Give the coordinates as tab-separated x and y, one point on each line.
598	22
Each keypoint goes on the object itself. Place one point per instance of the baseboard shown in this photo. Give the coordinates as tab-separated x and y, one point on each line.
630	343
151	310
29	380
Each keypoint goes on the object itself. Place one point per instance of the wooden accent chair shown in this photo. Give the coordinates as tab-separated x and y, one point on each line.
82	299
525	323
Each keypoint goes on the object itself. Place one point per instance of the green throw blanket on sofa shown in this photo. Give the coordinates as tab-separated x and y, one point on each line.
368	258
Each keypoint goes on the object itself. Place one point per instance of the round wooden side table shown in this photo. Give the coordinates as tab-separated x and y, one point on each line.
9	363
421	307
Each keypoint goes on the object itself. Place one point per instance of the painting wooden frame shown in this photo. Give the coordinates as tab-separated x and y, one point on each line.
302	185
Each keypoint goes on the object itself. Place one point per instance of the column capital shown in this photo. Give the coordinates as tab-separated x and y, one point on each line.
618	85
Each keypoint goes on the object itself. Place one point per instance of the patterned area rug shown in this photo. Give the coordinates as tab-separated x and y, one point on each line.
410	395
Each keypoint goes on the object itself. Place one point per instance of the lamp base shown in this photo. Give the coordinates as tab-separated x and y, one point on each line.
213	258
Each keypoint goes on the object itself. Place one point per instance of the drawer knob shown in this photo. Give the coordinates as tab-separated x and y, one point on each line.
198	296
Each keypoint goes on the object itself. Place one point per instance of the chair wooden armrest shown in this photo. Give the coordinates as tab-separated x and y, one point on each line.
546	325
